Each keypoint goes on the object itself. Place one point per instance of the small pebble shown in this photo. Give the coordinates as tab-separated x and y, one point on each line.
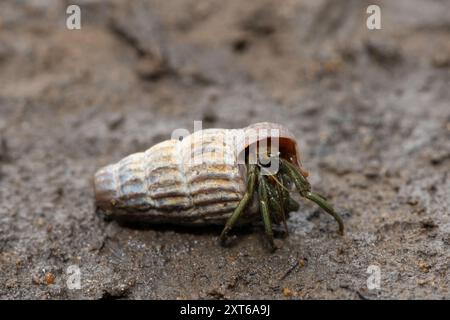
49	278
288	292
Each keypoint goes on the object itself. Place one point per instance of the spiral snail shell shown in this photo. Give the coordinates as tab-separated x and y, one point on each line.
166	185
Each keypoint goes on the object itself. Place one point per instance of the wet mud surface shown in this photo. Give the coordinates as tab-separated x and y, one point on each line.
370	109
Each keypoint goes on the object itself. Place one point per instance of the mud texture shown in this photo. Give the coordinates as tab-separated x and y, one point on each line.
371	110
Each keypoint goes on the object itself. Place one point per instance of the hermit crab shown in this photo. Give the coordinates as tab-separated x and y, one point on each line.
212	176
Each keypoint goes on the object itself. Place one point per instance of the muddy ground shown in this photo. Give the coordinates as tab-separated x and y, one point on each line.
370	108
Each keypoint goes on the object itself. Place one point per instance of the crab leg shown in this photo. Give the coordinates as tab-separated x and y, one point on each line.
251	181
304	188
289	204
315	197
275	202
263	203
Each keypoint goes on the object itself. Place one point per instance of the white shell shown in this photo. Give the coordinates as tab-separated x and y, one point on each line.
194	181
166	184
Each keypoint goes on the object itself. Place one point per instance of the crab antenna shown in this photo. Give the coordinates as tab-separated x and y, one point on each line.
276	180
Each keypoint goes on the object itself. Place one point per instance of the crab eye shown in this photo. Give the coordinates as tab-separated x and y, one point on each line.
287	182
264	160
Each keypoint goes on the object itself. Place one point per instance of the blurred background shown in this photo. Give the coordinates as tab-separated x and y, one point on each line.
370	109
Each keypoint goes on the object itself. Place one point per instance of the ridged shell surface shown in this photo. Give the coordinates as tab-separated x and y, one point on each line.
196	180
